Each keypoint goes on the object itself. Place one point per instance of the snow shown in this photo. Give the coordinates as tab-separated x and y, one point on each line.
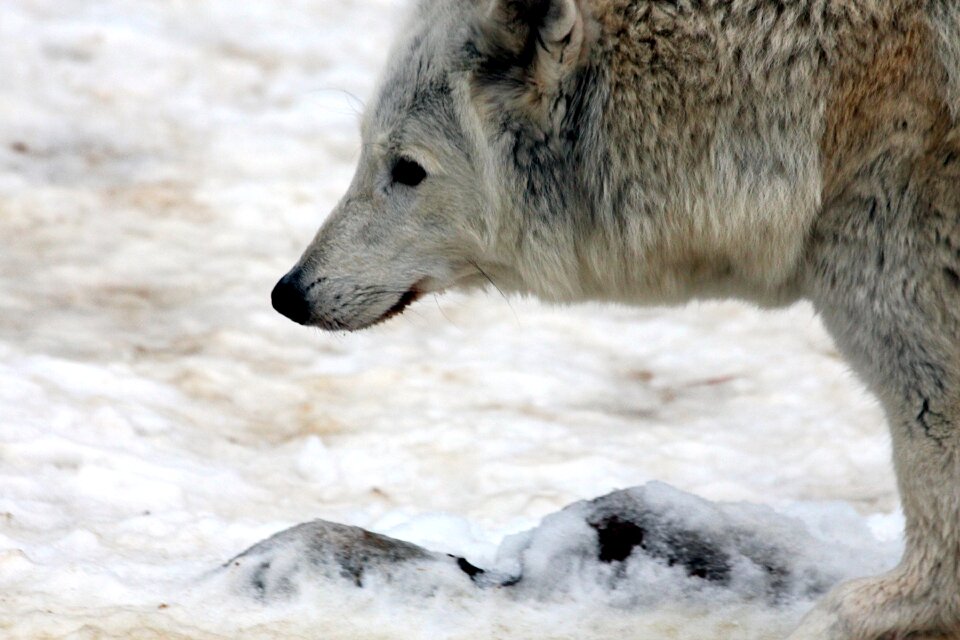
161	165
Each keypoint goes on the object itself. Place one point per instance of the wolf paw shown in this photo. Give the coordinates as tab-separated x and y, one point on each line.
898	606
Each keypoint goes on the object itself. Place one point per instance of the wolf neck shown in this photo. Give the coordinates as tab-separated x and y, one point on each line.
559	176
666	170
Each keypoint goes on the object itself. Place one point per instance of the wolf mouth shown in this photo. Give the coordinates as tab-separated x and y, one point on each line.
408	298
405	300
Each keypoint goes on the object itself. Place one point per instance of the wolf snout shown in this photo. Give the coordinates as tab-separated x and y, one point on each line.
289	297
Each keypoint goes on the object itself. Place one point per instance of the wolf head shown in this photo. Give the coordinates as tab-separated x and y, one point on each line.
467	120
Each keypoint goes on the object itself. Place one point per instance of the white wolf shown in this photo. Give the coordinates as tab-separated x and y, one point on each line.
651	151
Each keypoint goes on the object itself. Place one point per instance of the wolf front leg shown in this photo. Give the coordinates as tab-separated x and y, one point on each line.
882	270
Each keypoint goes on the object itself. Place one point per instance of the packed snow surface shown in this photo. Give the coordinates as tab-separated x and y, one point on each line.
161	165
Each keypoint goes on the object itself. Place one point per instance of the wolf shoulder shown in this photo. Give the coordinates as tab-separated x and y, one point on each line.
747	119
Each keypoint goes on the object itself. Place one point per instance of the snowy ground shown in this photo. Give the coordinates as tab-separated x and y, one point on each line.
161	165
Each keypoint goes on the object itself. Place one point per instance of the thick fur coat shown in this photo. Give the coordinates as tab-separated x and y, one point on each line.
651	151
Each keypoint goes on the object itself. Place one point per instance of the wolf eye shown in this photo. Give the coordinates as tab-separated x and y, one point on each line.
407	172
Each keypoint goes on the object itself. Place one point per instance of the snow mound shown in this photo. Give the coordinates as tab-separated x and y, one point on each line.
275	568
637	548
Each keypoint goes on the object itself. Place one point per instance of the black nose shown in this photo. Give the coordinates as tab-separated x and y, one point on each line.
290	299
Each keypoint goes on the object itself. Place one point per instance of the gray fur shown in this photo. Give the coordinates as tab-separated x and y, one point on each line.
651	151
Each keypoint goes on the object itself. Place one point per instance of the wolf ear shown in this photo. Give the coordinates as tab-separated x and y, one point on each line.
545	38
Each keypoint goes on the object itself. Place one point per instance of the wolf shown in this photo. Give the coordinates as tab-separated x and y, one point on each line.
657	151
